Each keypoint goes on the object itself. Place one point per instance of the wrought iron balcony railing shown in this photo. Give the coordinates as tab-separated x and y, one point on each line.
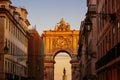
92	9
110	55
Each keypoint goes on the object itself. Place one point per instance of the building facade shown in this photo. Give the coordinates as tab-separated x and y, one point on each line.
61	39
81	51
108	40
91	40
35	56
87	43
13	34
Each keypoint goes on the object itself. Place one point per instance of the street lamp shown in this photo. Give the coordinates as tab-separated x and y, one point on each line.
88	24
11	74
6	49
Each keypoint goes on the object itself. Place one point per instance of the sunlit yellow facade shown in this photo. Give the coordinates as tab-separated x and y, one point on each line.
61	39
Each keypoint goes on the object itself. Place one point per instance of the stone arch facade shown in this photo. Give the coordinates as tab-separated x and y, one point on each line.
59	50
60	40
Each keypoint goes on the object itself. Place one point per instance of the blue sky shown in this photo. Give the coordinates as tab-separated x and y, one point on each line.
45	14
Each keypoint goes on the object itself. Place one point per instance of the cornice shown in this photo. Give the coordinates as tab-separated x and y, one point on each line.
7	1
10	16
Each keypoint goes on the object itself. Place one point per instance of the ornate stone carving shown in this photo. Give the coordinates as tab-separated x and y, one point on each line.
61	39
63	26
62	43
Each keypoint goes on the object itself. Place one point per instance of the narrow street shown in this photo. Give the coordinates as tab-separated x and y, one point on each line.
70	40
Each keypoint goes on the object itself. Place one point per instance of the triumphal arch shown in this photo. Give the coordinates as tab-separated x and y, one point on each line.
61	39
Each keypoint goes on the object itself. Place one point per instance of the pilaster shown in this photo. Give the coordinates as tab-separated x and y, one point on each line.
49	69
75	69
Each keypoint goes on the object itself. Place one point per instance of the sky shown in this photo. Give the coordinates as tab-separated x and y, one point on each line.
45	14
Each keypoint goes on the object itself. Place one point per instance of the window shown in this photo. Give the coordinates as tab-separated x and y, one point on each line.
109	40
113	4
105	44
2	6
103	48
9	25
113	35
6	24
6	66
119	34
109	6
98	48
9	45
98	22
11	48
98	1
106	6
118	24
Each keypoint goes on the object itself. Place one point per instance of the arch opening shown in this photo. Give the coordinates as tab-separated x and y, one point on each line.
62	60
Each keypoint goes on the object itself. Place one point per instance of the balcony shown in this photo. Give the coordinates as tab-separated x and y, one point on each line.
110	55
92	9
